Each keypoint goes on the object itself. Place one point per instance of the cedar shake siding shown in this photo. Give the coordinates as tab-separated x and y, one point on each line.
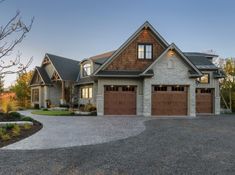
128	59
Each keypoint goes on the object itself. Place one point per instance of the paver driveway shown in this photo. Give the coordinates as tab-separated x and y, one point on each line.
67	131
202	146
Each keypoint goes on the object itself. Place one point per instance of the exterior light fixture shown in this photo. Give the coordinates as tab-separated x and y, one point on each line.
171	52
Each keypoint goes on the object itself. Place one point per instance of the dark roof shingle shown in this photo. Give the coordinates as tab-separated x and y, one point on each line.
68	69
44	75
200	60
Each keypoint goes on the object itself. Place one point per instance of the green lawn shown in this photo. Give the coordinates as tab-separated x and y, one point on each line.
53	113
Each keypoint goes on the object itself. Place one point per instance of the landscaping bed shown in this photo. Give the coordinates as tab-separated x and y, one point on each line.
63	113
53	112
11	133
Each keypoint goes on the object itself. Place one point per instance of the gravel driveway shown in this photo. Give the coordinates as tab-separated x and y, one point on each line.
170	146
67	131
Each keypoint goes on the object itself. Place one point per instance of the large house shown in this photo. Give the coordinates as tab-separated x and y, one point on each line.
144	76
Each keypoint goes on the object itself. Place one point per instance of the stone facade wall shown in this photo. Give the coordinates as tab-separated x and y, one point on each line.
119	81
128	60
169	70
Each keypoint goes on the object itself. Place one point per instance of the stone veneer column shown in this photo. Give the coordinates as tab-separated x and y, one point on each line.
192	101
217	99
100	99
147	93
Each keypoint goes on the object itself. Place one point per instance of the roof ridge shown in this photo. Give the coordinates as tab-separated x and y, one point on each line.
61	57
99	55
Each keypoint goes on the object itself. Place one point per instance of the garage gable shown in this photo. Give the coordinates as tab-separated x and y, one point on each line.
173	64
125	58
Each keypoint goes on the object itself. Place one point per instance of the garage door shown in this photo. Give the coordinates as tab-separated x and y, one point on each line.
169	100
204	101
120	100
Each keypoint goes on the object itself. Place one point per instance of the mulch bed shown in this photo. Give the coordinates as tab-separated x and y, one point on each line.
23	133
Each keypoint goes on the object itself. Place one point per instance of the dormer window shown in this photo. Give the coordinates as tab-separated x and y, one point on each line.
145	51
86	70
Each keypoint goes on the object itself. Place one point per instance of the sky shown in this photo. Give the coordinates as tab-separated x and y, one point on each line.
79	29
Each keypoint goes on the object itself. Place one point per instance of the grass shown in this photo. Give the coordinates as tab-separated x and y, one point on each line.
53	113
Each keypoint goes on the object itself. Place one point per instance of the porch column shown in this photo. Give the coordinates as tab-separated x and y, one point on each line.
62	101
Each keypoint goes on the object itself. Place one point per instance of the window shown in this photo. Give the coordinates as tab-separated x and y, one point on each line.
35	95
177	88
86	92
205	91
86	70
160	88
145	51
205	79
128	88
111	88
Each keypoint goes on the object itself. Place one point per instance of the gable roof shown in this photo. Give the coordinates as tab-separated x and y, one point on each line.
201	60
43	75
67	69
129	40
196	71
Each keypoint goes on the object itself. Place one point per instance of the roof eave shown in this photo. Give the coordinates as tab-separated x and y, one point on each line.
127	76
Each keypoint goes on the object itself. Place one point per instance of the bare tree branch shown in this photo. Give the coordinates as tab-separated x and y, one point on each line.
17	29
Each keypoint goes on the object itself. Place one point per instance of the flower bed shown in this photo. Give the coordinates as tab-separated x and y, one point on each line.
12	132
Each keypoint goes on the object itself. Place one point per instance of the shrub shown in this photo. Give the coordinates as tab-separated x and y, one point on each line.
64	106
27	126
89	108
27	119
5	137
2	131
45	109
15	115
36	106
81	107
9	126
16	131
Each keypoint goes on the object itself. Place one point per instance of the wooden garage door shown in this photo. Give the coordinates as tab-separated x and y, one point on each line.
204	101
120	100
169	100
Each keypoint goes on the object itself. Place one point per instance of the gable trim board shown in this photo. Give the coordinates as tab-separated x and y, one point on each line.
128	41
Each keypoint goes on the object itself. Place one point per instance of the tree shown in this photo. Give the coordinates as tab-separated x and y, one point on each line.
228	84
22	89
1	85
11	35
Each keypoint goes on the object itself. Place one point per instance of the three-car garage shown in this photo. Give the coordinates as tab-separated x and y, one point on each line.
166	100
